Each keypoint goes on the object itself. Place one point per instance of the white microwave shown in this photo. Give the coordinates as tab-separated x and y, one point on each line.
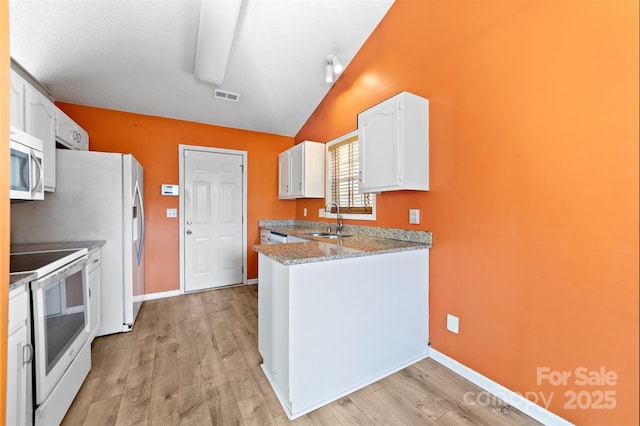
27	176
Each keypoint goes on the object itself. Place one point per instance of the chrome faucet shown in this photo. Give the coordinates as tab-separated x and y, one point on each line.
339	223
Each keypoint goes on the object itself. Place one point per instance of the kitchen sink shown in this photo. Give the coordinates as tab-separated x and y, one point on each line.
327	234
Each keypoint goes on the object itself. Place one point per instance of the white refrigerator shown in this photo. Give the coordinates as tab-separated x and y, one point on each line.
99	196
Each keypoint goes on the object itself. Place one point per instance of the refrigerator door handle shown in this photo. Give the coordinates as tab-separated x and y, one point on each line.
139	247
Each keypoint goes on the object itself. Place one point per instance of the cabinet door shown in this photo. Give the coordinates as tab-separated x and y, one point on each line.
379	149
65	129
283	175
40	121
69	134
82	139
16	95
95	300
18	378
296	167
19	358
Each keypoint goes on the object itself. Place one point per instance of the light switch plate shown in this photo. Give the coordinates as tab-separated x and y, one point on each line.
172	212
414	216
322	213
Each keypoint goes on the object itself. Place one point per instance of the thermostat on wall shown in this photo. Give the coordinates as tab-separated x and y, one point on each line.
170	190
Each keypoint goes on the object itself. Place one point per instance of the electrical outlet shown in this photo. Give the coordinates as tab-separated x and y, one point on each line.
321	213
172	212
304	211
453	323
414	216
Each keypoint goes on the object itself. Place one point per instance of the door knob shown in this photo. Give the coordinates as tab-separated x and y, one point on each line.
189	232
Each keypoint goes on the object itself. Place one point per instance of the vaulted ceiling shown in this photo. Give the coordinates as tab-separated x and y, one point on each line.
138	56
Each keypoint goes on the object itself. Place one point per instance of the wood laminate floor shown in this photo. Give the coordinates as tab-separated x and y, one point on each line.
193	360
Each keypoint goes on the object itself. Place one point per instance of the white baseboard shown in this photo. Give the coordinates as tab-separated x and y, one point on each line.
252	281
161	295
514	399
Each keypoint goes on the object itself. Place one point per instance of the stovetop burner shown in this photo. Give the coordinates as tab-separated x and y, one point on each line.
43	262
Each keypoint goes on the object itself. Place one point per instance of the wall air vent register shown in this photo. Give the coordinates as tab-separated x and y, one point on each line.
225	95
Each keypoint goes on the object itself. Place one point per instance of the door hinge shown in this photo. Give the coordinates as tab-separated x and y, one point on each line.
241	168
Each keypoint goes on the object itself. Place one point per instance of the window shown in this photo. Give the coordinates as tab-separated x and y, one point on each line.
342	180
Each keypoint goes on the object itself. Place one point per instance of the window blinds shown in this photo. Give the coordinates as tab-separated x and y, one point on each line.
343	178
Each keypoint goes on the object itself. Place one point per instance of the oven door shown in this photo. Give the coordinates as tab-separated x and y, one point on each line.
60	323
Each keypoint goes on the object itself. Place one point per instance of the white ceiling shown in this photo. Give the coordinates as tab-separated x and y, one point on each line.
138	56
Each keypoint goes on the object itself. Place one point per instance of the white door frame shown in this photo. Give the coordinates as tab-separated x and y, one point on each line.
181	149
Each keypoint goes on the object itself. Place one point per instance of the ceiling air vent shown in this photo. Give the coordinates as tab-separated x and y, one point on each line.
227	96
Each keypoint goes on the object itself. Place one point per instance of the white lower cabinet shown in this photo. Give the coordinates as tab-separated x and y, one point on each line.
95	292
326	329
19	409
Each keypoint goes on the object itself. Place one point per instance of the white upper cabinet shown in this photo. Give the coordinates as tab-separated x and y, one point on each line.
82	139
301	171
70	134
40	121
34	113
394	145
297	156
283	175
16	95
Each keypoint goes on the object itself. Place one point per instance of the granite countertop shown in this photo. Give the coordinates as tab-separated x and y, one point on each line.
320	249
21	279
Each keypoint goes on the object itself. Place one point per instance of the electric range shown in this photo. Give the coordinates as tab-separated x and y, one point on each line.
43	262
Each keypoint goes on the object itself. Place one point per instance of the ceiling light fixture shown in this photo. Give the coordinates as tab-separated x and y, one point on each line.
334	68
216	31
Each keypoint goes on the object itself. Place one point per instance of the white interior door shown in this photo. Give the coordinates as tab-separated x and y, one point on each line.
212	219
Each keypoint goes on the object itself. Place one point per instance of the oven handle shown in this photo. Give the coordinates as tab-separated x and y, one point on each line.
30	358
63	272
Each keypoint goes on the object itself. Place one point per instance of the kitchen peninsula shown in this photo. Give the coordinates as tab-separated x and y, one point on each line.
335	315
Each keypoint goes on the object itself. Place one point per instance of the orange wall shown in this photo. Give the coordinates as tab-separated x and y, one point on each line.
154	142
4	199
534	177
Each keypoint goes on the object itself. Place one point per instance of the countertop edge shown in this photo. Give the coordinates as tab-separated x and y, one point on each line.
289	261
